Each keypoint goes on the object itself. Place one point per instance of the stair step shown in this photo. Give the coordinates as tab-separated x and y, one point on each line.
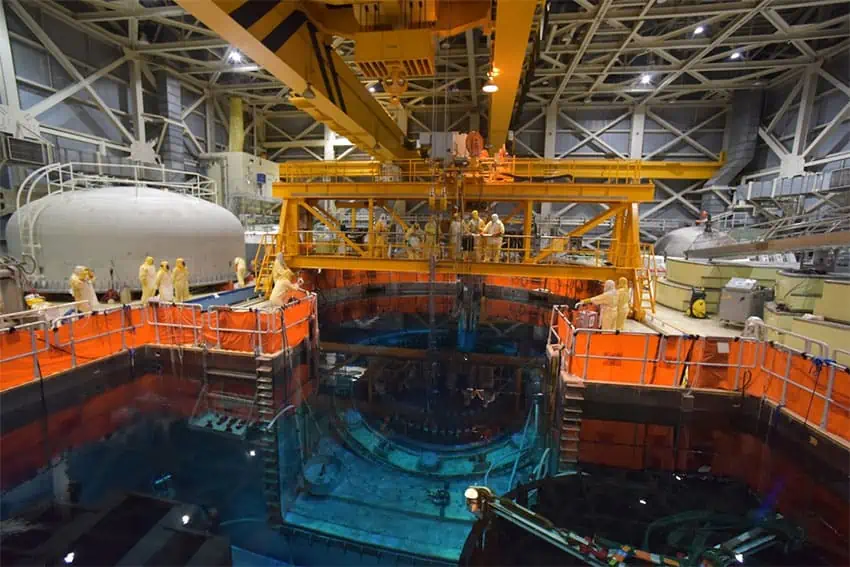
264	393
264	386
266	403
573	436
576	397
265	369
568	459
574	384
572	410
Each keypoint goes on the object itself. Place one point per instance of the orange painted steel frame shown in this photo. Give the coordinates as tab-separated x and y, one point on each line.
809	387
27	354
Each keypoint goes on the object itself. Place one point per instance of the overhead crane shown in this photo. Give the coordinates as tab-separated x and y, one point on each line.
307	187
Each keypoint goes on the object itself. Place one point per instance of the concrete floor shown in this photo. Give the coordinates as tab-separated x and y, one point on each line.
673	322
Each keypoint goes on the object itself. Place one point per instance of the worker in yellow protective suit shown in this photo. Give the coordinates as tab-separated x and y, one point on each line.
494	231
279	268
414	241
147	277
78	287
431	248
607	301
622	303
284	288
241	271
181	281
476	229
164	282
91	295
455	236
381	229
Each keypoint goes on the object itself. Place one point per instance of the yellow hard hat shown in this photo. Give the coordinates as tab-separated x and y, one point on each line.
149	260
163	264
475	214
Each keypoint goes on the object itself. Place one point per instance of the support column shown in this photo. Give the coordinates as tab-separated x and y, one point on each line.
172	151
638	127
209	122
793	163
330	138
549	145
8	83
140	149
237	126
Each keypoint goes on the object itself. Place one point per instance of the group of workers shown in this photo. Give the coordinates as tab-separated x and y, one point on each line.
614	304
468	239
170	285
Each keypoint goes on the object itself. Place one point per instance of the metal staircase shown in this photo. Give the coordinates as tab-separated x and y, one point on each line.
268	441
263	264
571	412
646	278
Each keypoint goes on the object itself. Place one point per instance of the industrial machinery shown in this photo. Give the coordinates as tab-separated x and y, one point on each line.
742	298
110	220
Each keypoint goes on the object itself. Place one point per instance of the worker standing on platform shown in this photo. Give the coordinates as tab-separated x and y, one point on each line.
476	228
241	271
414	242
431	238
494	230
455	235
381	230
164	283
181	281
622	303
147	277
91	295
77	283
607	301
284	288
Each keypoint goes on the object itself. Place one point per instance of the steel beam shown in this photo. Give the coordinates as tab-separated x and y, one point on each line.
566	271
795	243
66	64
512	192
283	40
8	85
514	19
454	356
804	112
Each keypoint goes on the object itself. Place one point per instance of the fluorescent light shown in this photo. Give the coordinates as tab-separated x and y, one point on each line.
739	557
371	89
490	87
699	30
252	453
642	501
736	55
235	57
645	79
69	558
185	519
677	477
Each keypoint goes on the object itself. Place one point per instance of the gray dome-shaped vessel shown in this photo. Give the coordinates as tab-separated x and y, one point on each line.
675	243
114	228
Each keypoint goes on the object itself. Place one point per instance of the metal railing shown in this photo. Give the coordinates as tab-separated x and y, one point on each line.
175	325
753	353
37	345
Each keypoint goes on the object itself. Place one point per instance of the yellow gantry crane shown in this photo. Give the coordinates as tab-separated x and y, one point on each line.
396	42
311	236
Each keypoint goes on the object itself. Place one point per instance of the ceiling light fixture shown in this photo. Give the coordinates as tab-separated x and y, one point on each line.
490	87
735	55
308	92
372	89
645	79
699	30
235	57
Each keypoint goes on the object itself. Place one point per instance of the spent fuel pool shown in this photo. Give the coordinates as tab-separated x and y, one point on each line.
373	466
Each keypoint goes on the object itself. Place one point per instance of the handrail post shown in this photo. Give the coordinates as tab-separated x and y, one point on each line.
153	308
36	370
217	329
586	356
195	326
72	344
645	358
827	396
123	328
787	375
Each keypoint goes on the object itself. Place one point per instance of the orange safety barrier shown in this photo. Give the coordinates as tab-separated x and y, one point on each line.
814	389
35	350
